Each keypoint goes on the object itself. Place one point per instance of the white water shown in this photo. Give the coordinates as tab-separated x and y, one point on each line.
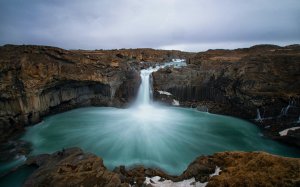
145	94
258	116
284	110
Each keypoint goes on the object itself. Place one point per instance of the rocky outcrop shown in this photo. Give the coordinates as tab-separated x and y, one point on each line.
72	167
254	169
243	82
36	81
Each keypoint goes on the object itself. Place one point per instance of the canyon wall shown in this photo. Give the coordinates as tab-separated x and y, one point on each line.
36	81
241	83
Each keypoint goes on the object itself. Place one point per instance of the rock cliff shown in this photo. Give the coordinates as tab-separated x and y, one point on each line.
261	82
36	81
73	167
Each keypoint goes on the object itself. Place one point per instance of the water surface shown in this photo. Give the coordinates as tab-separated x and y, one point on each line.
164	137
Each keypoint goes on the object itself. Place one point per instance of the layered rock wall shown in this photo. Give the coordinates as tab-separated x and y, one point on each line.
36	81
239	83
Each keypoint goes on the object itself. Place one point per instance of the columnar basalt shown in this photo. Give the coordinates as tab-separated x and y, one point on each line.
259	84
240	83
247	83
38	80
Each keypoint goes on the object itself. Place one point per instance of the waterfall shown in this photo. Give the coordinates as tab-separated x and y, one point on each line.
145	93
258	116
284	110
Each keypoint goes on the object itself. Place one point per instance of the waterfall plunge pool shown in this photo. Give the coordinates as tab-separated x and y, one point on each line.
168	138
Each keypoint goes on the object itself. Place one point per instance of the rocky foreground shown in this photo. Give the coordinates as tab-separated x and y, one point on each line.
73	167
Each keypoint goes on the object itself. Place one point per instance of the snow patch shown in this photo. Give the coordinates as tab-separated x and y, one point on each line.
175	102
217	172
178	60
284	132
168	183
164	92
154	181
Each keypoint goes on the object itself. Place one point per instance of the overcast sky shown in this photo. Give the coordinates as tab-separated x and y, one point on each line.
192	25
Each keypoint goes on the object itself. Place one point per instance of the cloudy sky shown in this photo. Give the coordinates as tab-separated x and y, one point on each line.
192	25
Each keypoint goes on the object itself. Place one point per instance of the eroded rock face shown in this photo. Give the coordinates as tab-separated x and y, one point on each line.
72	167
239	83
37	80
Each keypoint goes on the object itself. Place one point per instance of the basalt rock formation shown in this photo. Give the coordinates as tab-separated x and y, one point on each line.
72	167
36	81
261	82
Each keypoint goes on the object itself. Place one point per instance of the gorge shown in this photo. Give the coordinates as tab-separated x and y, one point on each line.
38	81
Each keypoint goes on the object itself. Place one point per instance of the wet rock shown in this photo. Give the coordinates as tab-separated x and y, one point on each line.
74	168
14	150
202	108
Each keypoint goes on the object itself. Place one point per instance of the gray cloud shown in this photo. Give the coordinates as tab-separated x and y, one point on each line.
171	24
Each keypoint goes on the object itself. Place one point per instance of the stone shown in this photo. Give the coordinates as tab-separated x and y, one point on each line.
238	82
37	81
202	108
76	168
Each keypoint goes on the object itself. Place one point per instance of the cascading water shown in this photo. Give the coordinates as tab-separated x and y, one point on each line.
148	134
144	97
144	94
143	107
258	116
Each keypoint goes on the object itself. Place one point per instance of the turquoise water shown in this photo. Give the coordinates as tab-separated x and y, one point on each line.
6	166
168	138
16	178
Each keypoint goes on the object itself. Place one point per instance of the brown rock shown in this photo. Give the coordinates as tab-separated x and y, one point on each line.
256	169
75	168
36	81
238	82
